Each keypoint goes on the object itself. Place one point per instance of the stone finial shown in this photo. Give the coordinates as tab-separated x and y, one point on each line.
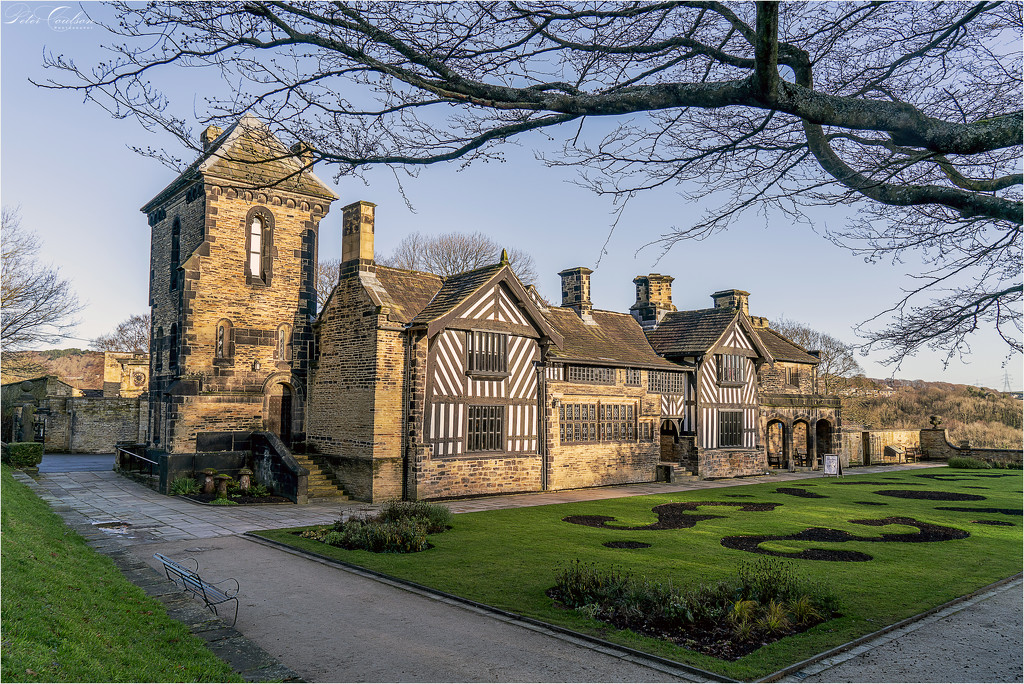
209	135
935	421
504	257
304	151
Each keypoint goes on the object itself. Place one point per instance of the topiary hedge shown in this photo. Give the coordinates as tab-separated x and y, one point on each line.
23	454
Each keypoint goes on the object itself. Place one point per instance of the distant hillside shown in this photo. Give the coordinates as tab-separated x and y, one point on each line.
986	417
78	368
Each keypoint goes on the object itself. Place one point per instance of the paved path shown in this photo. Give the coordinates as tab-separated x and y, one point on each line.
331	625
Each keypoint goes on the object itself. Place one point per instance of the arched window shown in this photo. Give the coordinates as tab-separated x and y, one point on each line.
225	341
175	252
158	350
258	239
283	348
172	347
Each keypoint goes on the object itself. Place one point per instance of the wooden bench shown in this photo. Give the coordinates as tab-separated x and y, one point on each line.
190	581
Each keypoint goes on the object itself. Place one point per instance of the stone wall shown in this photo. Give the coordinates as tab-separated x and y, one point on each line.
772	379
452	476
93	425
603	463
867	447
718	463
935	446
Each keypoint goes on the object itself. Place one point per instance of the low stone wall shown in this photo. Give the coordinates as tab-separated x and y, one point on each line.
718	463
453	476
602	463
935	446
93	425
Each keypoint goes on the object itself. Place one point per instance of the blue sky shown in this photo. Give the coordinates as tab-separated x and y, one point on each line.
69	166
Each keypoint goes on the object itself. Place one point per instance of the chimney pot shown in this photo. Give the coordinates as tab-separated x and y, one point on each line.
653	299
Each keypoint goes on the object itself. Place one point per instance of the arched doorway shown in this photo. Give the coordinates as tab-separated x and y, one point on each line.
803	448
775	443
823	436
669	442
279	411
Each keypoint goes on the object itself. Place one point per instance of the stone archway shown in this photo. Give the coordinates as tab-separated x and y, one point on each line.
823	437
279	417
803	443
775	444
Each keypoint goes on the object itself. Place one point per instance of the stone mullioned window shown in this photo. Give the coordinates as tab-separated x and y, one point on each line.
591	374
666	382
600	422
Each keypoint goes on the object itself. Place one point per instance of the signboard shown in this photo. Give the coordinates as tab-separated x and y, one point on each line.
832	465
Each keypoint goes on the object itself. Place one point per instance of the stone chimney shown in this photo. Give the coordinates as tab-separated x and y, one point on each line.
732	299
653	299
576	291
759	321
357	237
209	135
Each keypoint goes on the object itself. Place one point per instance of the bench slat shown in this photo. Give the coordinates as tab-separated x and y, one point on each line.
191	582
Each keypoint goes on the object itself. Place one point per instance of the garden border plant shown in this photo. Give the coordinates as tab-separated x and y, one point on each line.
399	527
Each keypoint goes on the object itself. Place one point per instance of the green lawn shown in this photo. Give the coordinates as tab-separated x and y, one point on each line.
508	558
69	615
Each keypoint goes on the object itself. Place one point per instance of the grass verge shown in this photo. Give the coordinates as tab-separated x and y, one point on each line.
69	615
509	558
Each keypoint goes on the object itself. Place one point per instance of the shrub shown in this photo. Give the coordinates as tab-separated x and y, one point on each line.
961	462
257	489
184	486
435	517
804	611
400	536
223	502
23	454
774	618
767	579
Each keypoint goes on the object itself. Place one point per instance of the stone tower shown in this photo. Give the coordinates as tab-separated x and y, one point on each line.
233	290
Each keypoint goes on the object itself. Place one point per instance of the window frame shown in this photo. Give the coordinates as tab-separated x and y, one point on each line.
487	353
224	341
265	248
666	382
589	422
283	350
736	428
727	371
485	428
591	375
633	378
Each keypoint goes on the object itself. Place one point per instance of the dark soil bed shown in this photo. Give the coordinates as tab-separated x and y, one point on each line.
244	500
929	495
671	516
1001	523
875	482
626	545
871	503
801	492
965	509
927	533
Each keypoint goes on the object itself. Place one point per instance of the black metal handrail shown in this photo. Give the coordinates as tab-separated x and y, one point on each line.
135	459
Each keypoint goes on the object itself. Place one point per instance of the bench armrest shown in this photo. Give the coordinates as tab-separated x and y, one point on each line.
227	592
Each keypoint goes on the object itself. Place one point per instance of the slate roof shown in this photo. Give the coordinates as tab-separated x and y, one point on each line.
410	291
455	289
614	339
688	333
782	348
247	154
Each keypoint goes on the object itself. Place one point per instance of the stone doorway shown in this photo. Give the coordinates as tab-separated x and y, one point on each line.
279	411
823	436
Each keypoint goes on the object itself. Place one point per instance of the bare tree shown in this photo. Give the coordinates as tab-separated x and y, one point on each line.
130	335
447	254
37	305
327	272
838	364
908	111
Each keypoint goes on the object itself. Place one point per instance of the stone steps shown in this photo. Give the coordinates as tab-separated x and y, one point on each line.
321	482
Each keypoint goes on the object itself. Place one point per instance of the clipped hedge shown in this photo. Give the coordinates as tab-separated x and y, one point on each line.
23	454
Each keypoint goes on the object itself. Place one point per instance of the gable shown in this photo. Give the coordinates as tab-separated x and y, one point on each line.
735	340
490	298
